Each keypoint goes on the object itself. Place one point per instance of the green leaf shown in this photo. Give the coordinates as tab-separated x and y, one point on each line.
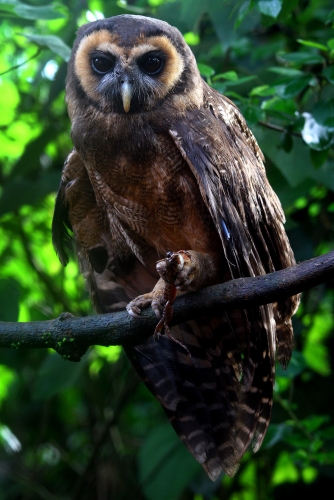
159	461
192	38
9	299
295	166
228	75
20	191
252	114
301	58
313	422
323	113
240	81
263	90
280	105
319	157
288	72
285	471
242	13
329	73
310	43
294	87
317	358
205	70
54	43
275	434
46	12
55	374
295	367
317	136
270	7
9	100
223	18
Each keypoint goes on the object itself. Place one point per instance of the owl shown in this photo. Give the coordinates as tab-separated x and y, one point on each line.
166	186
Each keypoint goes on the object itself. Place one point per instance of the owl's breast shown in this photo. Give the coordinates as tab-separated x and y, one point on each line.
155	196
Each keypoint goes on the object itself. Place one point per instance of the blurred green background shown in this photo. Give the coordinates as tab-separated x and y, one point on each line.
91	430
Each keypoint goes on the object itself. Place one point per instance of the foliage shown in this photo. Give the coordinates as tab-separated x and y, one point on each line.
90	430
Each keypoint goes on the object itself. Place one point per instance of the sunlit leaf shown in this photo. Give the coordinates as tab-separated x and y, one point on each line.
7	377
286	106
9	100
310	43
192	38
285	470
263	90
53	43
228	75
317	136
270	7
42	12
317	357
205	70
309	474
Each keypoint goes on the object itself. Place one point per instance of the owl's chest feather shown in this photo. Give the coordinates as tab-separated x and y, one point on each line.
157	197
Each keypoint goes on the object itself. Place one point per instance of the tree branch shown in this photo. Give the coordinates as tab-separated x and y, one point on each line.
72	336
277	128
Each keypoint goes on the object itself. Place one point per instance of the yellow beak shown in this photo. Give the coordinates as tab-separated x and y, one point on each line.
126	93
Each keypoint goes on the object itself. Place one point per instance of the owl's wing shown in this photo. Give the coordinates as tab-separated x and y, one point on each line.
227	163
113	273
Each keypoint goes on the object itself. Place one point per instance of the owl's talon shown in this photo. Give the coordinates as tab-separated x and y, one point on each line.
157	307
178	268
132	312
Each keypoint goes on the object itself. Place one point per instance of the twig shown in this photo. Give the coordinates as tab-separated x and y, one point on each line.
13	68
279	129
294	417
71	336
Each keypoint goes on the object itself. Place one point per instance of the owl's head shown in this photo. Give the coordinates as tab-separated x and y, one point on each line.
129	64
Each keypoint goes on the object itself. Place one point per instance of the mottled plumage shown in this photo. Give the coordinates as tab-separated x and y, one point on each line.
163	163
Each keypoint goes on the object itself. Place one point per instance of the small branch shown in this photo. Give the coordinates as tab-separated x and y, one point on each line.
13	68
294	417
279	129
71	336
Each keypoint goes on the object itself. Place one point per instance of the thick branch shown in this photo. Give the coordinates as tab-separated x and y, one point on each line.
71	336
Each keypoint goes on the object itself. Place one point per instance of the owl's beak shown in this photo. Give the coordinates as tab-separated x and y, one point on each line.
126	93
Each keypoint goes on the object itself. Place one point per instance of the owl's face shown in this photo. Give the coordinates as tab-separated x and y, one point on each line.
130	64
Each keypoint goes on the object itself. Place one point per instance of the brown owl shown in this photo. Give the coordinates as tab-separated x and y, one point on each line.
163	163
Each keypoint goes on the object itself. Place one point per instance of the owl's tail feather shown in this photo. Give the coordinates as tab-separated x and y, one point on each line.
217	400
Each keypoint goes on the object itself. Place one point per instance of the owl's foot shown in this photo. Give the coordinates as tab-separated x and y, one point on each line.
155	299
178	268
174	271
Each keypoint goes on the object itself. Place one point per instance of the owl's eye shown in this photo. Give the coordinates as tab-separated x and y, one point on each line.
102	64
151	64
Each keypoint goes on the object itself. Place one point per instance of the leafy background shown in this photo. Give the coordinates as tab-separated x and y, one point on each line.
91	430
